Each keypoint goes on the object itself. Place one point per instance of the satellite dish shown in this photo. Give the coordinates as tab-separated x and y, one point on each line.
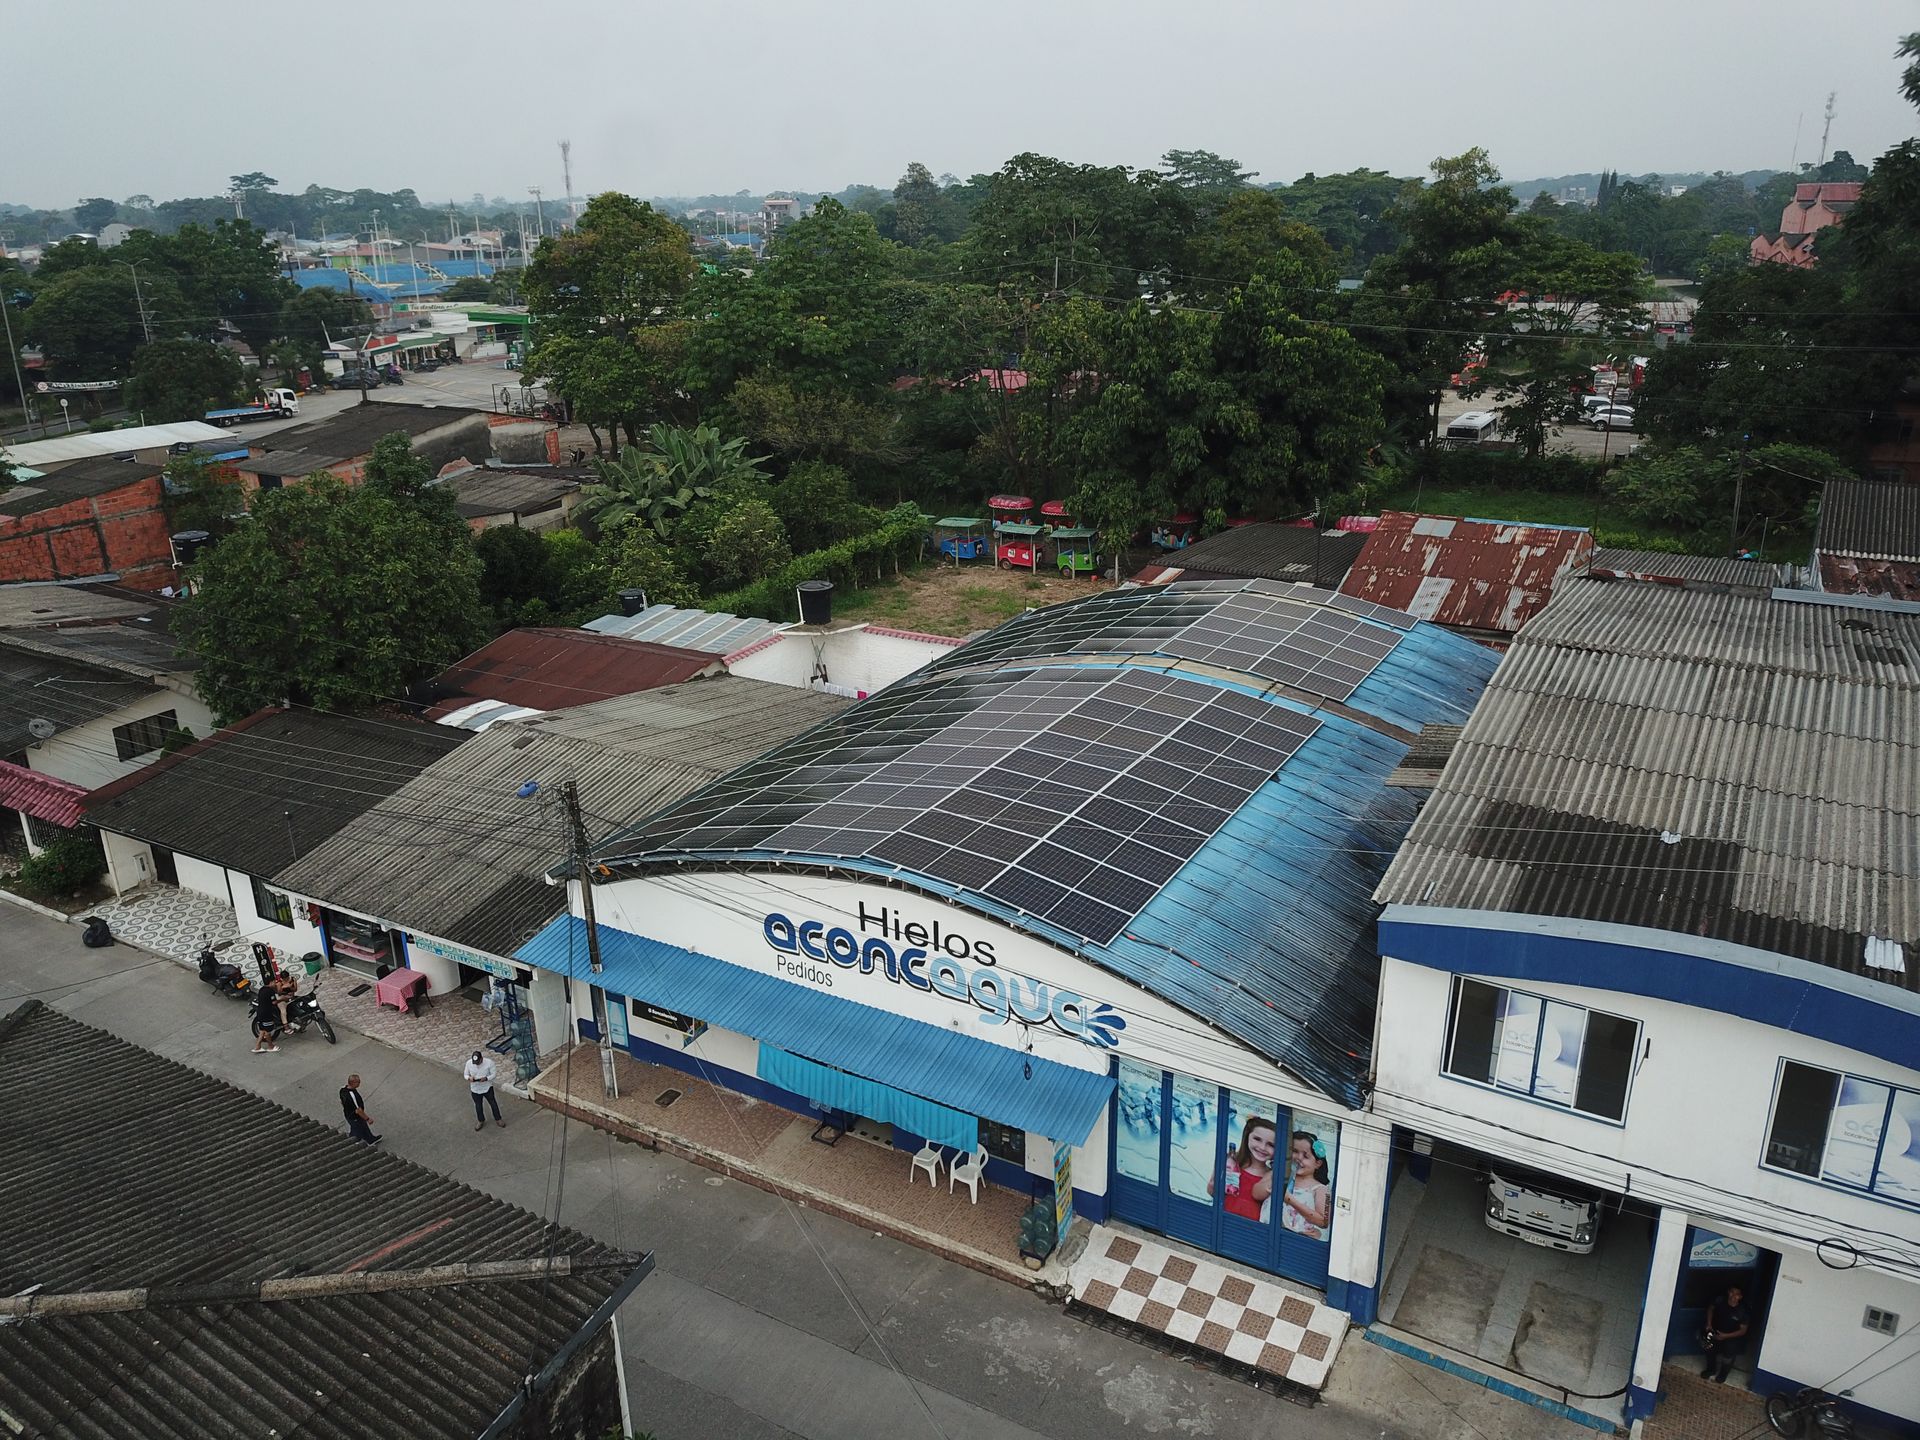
40	729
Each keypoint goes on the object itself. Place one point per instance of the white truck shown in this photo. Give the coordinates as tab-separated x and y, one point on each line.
272	405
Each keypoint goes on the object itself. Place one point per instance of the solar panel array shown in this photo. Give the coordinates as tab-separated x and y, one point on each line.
1070	793
1320	643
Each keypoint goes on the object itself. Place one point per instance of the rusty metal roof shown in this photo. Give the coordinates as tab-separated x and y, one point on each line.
551	669
1869	520
1485	575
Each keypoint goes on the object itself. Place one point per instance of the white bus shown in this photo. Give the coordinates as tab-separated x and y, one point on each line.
1476	427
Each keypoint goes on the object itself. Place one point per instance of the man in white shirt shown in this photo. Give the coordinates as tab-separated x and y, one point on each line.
480	1082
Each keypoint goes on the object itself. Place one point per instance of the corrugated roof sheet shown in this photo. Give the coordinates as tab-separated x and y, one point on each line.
456	855
39	454
1869	520
44	797
126	1170
715	632
1267	552
1889	579
84	480
508	492
1716	764
352	432
553	668
1267	933
1701	571
949	1067
35	685
1489	575
270	788
288	464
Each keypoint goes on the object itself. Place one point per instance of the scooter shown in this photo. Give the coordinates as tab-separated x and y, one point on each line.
1790	1412
225	978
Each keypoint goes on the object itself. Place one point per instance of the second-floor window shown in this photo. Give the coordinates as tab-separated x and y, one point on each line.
1843	1129
142	737
1561	1054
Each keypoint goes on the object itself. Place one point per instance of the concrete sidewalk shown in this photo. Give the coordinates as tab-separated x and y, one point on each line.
765	1319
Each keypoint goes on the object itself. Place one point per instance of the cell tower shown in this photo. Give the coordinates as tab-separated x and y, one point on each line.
1826	130
566	174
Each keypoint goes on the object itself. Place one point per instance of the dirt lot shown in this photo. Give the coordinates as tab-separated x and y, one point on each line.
945	600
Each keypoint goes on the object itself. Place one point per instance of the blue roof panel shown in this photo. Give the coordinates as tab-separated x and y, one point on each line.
948	1067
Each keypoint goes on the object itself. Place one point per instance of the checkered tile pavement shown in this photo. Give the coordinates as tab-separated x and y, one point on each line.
1253	1321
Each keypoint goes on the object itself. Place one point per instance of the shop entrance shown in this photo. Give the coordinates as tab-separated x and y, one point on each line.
1242	1176
1713	1264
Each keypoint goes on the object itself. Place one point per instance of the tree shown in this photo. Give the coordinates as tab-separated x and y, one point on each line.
515	568
923	212
1204	170
228	271
655	484
87	321
1250	228
1357	212
245	187
1909	50
183	379
1725	255
203	494
333	597
632	557
468	288
748	543
817	506
94	215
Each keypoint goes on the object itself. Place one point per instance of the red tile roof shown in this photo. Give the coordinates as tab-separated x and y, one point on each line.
1488	575
552	669
41	796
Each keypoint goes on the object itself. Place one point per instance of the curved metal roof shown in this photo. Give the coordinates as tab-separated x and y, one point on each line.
1184	785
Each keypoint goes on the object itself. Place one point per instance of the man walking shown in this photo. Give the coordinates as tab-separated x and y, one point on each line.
354	1107
480	1081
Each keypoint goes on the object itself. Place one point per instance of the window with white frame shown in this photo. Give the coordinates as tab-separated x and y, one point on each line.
1561	1054
1846	1130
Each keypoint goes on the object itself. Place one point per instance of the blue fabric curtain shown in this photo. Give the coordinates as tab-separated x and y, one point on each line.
837	1090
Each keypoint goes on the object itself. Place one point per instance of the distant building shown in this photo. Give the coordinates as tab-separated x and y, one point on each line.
114	234
1814	206
779	210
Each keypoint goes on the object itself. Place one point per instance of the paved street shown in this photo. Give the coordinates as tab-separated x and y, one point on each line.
764	1320
1574	437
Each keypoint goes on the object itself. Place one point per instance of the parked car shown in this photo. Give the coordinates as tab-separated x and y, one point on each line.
1613	417
350	380
1603	400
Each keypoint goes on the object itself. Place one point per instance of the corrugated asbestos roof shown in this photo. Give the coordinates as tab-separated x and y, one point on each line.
1699	571
550	669
353	432
1488	575
126	1170
948	1067
1267	932
1869	520
508	492
82	480
35	685
715	632
1715	764
455	854
268	788
1269	552
288	464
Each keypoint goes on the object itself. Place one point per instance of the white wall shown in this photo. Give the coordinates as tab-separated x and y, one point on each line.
1815	1336
289	942
547	1000
1696	1121
856	659
86	754
206	879
129	861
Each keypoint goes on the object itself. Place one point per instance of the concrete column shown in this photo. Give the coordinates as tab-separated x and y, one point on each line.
1663	1278
547	999
1359	1219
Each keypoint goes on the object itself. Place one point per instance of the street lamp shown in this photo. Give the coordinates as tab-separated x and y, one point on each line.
65	415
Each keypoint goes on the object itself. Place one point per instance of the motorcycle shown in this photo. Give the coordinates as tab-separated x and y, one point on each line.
302	1011
227	979
1788	1412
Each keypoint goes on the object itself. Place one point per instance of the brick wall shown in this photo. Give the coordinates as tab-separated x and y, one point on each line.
123	530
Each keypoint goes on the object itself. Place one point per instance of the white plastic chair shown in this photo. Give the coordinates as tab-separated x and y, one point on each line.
928	1160
968	1172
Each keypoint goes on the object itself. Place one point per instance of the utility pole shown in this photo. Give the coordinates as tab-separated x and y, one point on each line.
1739	484
540	211
583	866
13	353
146	328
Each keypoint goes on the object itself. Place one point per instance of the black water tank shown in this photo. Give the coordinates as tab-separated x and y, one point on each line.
816	602
632	602
187	545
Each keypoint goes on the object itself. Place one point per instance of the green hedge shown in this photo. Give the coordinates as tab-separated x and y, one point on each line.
1508	470
69	861
851	564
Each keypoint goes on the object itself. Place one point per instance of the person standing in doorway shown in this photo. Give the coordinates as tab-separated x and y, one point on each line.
480	1082
1728	1321
354	1106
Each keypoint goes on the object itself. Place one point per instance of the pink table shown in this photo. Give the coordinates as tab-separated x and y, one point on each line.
398	987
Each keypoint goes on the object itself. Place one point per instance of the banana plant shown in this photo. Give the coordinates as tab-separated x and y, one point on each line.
656	483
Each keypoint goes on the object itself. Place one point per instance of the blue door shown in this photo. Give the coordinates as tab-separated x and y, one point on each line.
1233	1173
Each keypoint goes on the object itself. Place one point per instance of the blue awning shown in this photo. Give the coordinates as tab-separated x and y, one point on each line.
974	1076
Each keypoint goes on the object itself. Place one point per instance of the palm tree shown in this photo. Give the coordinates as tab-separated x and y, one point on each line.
656	483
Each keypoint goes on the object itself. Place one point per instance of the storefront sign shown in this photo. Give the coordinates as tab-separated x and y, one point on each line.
1062	1192
460	956
1716	1252
938	961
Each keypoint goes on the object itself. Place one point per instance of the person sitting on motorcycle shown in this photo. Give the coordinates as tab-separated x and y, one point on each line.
283	988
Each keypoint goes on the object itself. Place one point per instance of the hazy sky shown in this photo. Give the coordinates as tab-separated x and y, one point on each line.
451	98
